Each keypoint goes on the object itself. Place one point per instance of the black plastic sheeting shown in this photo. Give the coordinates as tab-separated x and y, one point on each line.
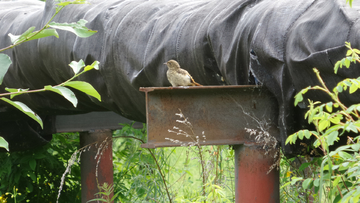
277	41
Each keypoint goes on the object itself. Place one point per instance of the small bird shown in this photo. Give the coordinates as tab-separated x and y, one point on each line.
178	76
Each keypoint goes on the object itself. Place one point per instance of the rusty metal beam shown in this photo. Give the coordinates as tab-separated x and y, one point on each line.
90	121
222	112
95	173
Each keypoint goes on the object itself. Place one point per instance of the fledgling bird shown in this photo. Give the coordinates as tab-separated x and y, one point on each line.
178	76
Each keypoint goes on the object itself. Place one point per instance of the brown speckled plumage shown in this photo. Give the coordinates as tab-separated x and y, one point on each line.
178	76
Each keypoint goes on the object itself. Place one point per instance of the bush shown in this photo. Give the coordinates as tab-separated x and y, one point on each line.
37	173
334	176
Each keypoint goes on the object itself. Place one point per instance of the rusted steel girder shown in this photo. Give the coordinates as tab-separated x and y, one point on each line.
223	113
96	162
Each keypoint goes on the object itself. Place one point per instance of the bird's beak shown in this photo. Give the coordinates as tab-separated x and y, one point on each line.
164	63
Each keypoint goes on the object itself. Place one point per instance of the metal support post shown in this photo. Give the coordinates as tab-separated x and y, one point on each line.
253	184
96	163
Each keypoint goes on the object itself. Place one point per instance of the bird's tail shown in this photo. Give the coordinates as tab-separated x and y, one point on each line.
195	83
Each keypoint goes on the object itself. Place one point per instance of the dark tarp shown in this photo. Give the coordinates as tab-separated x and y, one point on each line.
277	41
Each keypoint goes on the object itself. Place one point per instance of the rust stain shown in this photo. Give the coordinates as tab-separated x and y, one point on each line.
222	112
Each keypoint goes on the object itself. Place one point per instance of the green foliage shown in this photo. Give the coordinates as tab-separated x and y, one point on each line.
59	89
138	179
299	181
351	56
14	194
350	2
135	172
29	35
37	173
335	175
4	144
48	30
105	194
77	28
25	109
5	63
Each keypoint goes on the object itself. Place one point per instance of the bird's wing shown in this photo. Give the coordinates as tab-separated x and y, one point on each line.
184	72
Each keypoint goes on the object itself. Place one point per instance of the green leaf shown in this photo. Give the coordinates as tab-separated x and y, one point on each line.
97	199
4	144
348	44
356	198
65	92
295	179
316	143
351	108
29	35
317	182
307	183
353	89
304	165
351	127
17	38
344	166
357	51
5	63
344	155
345	147
32	176
347	83
307	134
94	65
44	33
76	66
84	87
298	98
301	134
355	147
21	91
284	185
25	109
65	3
78	28
323	124
32	164
336	119
332	137
339	88
347	62
292	138
329	106
349	52
336	67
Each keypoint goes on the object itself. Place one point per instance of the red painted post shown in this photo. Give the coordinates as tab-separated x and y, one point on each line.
91	166
253	184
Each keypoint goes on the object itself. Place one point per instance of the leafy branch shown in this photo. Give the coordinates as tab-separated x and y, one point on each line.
49	29
78	28
332	120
